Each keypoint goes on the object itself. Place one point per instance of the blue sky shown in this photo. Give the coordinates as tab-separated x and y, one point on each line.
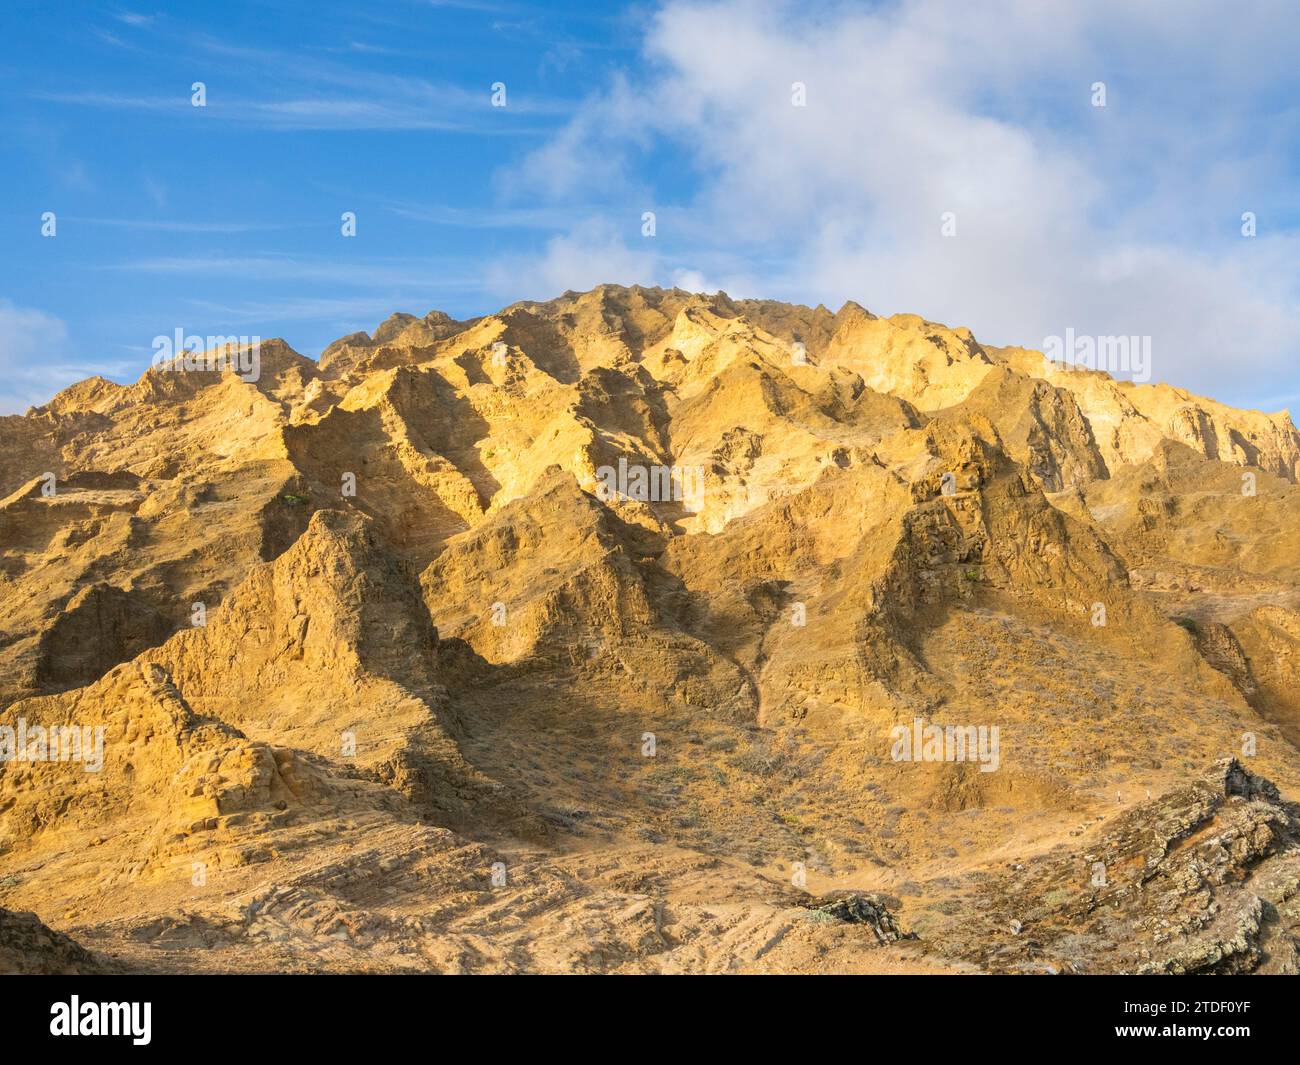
226	219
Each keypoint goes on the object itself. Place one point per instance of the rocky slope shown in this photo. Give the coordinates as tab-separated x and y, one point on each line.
29	948
603	634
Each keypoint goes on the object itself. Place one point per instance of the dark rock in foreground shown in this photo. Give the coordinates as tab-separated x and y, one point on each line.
1205	879
29	948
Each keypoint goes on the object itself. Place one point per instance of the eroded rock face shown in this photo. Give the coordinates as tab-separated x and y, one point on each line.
100	626
389	677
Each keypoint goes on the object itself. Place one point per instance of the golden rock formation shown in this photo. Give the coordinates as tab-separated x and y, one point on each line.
648	631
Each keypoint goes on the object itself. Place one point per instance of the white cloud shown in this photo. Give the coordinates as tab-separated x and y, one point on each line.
693	281
1122	219
33	363
592	254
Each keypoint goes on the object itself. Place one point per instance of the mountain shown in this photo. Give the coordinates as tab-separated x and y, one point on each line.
648	631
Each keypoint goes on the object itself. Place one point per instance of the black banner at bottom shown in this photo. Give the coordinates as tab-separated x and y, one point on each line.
356	1013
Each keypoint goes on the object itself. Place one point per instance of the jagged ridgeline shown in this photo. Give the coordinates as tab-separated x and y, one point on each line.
585	635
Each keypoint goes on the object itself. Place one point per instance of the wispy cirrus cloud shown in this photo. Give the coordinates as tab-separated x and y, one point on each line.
544	217
449	111
135	18
162	225
422	272
317	93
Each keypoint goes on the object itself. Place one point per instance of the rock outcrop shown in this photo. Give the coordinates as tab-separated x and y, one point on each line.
1204	879
29	948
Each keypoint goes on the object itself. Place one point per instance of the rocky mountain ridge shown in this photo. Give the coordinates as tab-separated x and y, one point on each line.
390	678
